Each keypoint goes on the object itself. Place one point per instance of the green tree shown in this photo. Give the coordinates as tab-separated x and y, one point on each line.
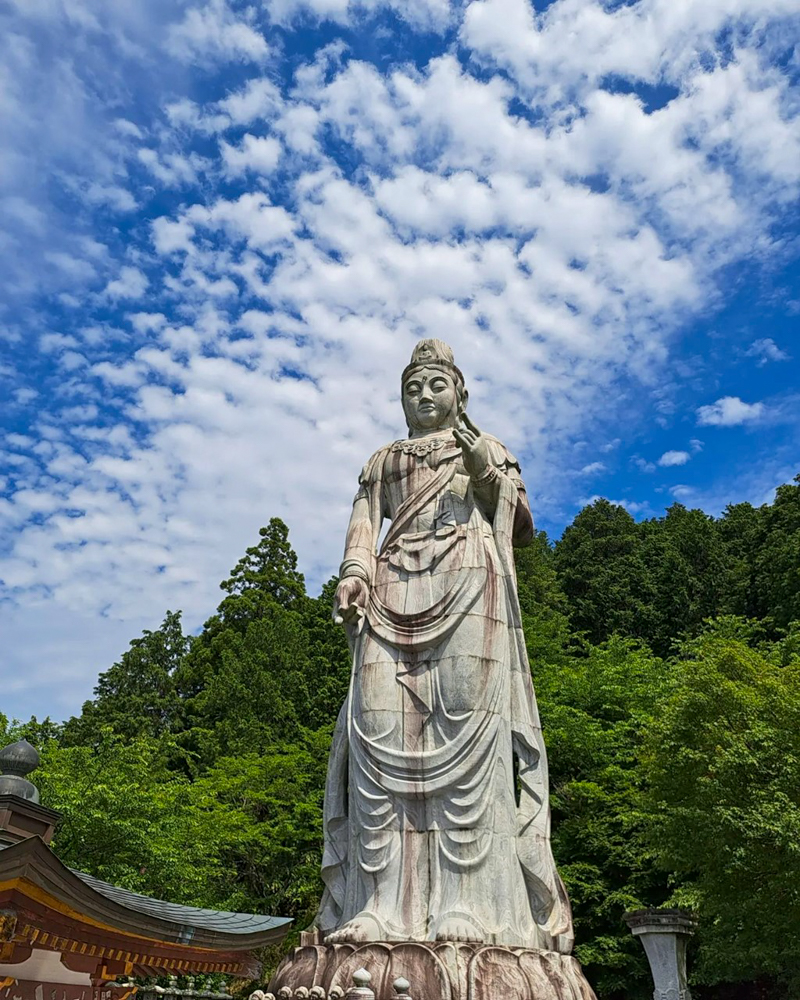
245	835
274	851
690	569
741	528
329	658
136	696
255	684
722	766
245	679
270	666
601	568
544	607
597	706
269	567
35	732
777	557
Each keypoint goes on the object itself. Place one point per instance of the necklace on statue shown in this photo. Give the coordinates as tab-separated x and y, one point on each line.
419	446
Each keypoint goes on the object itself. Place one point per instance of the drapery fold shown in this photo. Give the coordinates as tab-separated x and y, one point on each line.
443	602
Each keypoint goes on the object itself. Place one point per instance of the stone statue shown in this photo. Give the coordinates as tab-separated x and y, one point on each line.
437	826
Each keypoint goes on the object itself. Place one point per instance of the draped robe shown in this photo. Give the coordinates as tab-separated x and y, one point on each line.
436	803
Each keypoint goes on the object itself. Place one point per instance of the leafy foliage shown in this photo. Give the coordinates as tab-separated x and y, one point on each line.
269	568
596	710
601	567
722	768
659	580
128	819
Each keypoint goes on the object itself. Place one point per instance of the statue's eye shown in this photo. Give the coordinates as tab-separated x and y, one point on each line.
413	388
439	384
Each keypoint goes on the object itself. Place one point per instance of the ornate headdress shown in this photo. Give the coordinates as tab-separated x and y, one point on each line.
433	353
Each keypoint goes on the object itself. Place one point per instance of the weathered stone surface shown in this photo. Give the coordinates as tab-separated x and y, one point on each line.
664	934
435	971
437	820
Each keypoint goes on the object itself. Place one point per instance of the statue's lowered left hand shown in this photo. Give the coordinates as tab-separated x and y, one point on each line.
350	603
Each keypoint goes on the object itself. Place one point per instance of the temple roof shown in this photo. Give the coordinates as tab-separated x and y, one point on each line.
75	908
221	921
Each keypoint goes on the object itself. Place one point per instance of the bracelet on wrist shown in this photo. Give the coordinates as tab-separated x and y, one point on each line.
350	567
488	476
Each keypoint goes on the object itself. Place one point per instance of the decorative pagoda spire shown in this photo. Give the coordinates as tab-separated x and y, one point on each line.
21	814
17	760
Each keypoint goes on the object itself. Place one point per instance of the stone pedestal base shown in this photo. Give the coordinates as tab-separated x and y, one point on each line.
435	971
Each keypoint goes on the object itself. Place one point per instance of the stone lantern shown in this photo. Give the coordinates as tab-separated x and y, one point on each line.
664	934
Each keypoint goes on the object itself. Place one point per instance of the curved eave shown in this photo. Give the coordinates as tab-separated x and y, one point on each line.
110	908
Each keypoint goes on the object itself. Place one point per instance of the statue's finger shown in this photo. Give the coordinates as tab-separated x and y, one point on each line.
469	423
458	435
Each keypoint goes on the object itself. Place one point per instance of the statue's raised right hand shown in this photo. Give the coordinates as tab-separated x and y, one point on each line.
350	602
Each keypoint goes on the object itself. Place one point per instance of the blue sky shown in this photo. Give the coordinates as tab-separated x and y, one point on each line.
225	225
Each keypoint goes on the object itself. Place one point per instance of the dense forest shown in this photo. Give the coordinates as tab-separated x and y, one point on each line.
666	660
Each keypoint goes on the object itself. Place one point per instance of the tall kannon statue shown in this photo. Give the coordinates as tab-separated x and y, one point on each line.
437	821
426	836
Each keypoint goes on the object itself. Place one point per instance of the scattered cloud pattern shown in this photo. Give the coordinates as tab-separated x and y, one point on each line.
224	227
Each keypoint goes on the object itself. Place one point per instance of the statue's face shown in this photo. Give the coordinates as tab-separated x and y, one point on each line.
430	400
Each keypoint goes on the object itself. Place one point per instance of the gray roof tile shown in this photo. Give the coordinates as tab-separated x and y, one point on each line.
220	921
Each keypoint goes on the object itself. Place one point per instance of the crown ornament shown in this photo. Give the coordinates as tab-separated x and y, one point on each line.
433	353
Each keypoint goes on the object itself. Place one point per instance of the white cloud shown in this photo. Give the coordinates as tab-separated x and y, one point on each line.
430	15
592	469
251	217
642	464
766	350
74	268
215	32
124	127
632	506
258	154
674	458
118	198
72	360
170	237
172	169
50	342
131	284
729	411
145	322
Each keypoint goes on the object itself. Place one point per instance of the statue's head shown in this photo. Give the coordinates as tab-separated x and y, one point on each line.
433	388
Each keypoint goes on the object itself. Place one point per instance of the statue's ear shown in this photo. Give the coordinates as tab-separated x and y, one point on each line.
462	403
